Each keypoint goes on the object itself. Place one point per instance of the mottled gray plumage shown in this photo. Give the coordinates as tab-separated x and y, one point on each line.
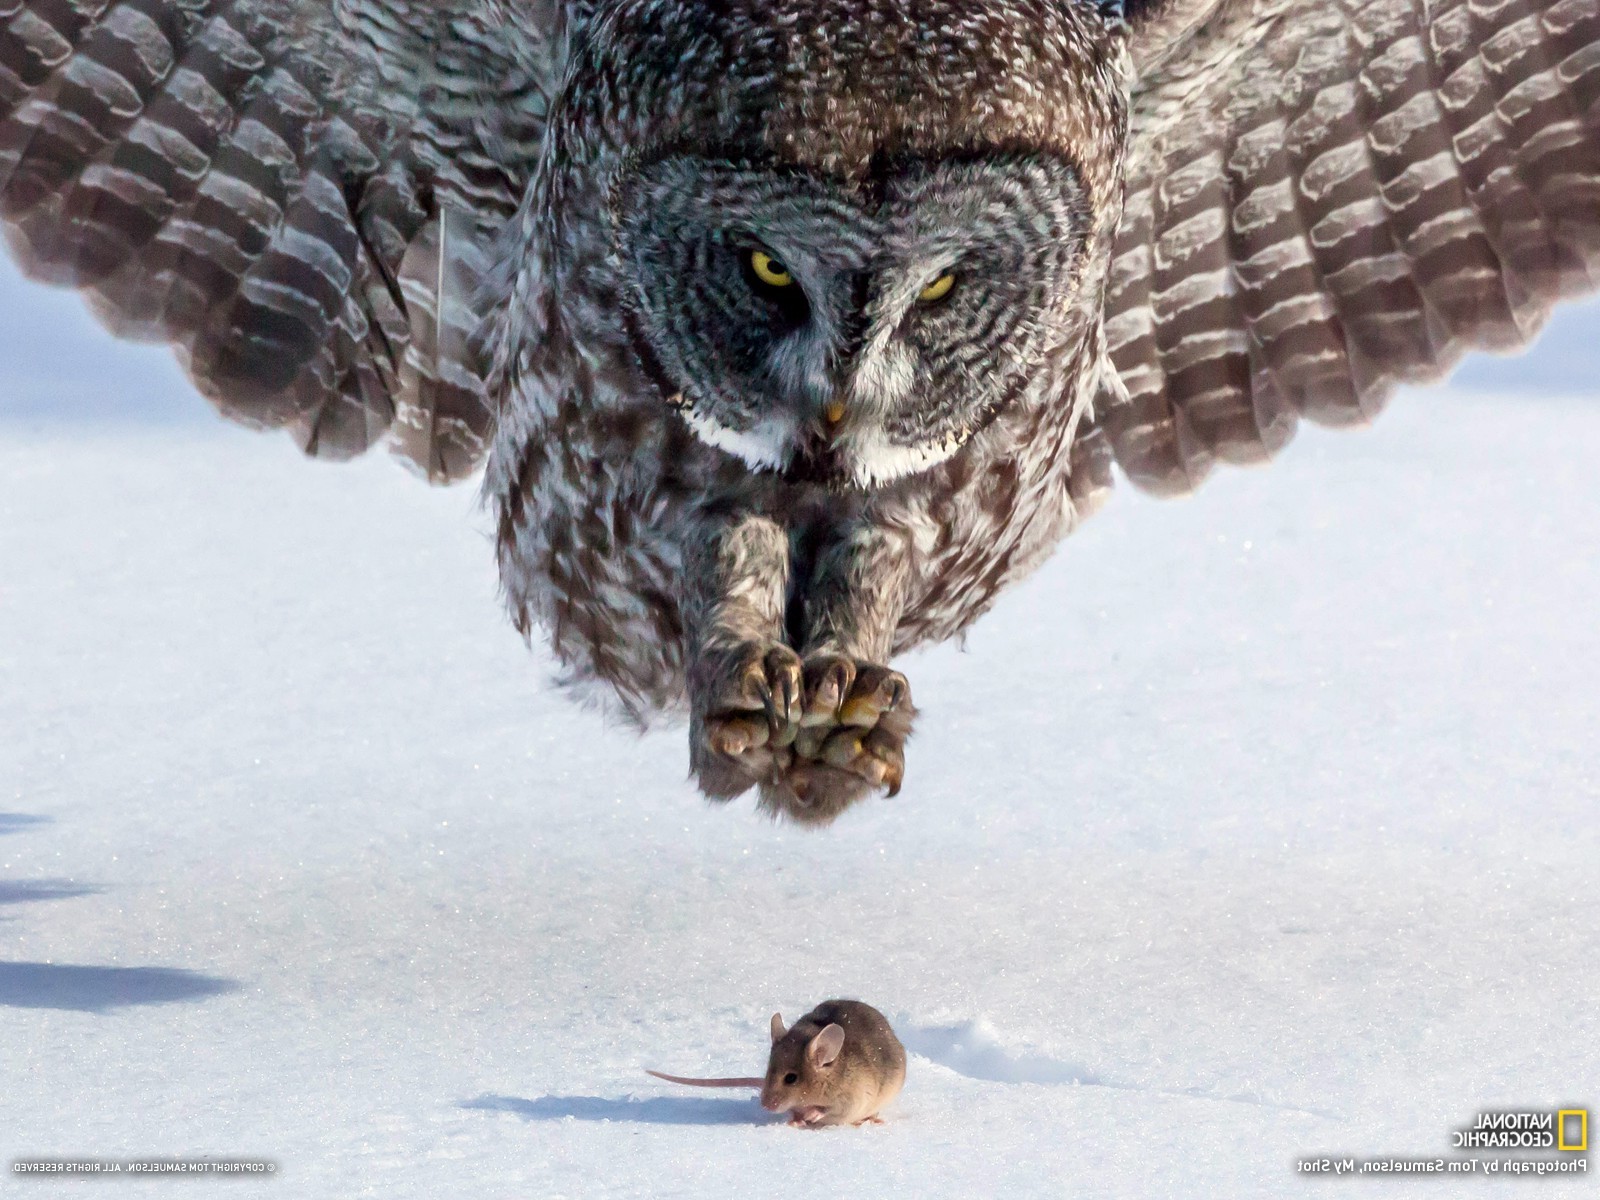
791	332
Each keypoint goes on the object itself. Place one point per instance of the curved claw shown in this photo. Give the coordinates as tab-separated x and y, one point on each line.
888	753
877	690
782	687
828	682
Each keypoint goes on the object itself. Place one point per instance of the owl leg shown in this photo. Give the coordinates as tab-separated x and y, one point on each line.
745	684
856	712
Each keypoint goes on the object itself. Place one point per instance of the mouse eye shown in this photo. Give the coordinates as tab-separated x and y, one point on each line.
791	1078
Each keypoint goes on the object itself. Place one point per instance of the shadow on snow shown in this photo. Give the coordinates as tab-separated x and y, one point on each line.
11	822
23	891
100	989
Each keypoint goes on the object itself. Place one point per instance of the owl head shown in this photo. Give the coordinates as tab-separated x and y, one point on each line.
846	236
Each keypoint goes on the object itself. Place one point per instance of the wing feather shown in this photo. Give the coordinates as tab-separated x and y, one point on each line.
299	197
1327	198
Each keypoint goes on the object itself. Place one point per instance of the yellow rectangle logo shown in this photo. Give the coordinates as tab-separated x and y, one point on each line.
1580	1116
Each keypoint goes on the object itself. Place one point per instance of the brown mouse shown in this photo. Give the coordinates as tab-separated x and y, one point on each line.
840	1064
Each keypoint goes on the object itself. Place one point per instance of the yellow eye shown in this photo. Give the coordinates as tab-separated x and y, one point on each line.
938	289
769	270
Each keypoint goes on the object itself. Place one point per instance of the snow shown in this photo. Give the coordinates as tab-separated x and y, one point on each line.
1256	827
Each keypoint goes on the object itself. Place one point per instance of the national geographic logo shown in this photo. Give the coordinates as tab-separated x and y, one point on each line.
1521	1132
1536	1129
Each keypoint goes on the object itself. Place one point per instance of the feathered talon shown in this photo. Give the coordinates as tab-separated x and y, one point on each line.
855	720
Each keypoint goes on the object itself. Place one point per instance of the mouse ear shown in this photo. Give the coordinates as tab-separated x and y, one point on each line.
825	1047
777	1026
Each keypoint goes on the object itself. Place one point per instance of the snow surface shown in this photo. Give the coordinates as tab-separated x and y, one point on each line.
1256	827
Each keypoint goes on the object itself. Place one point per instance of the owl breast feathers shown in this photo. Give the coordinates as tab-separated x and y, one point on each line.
789	333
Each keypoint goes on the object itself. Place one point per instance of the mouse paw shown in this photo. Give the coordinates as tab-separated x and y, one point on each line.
853	722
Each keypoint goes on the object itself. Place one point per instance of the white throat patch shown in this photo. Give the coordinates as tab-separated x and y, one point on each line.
875	460
765	447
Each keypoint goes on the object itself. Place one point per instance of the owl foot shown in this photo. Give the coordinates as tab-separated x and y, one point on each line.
849	739
815	737
753	695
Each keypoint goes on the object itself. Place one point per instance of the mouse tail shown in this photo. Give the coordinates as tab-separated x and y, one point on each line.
728	1083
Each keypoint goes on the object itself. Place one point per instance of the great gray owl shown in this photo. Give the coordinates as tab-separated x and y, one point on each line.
793	331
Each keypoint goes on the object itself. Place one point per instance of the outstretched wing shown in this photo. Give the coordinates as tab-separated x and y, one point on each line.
299	196
1330	197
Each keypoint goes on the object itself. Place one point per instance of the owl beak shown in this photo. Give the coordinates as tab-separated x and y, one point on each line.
816	457
832	419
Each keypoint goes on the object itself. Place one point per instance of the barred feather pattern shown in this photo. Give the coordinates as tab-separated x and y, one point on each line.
299	197
351	219
1326	199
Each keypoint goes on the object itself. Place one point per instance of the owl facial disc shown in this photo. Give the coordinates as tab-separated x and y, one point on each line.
848	334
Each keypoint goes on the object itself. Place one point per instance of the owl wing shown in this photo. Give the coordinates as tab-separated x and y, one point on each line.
1330	197
299	196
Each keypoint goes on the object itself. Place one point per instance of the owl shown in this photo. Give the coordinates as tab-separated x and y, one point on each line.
787	334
